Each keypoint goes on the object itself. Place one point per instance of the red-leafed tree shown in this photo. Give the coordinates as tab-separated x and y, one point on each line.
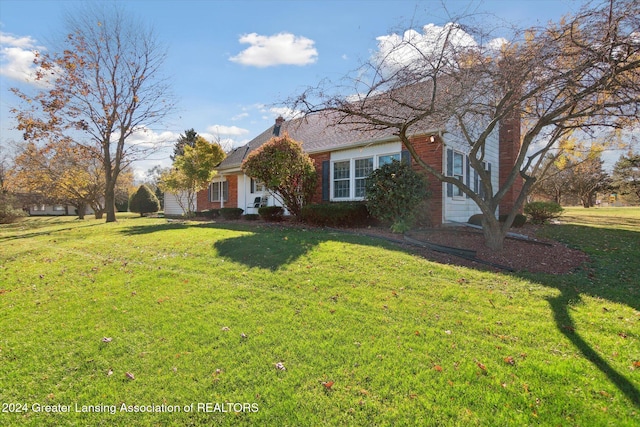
286	170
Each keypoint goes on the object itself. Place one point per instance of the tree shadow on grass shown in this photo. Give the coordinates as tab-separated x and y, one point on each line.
137	230
612	276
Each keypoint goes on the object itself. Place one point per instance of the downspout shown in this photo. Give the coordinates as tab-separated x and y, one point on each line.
222	193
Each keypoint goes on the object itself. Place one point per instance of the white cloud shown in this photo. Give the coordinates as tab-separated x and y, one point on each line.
418	49
279	49
147	138
227	130
16	57
240	116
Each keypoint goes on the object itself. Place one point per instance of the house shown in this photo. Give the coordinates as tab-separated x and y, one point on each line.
345	155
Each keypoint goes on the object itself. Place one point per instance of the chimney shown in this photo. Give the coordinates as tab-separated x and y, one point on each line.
278	125
510	140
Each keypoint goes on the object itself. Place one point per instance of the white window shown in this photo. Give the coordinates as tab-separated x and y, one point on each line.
58	208
363	168
458	172
342	179
218	188
384	160
257	186
350	175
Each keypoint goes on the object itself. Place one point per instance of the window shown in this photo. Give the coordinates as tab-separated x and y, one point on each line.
364	167
215	188
384	160
58	208
349	177
341	179
458	172
257	186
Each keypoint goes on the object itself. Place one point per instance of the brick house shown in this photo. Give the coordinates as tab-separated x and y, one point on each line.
344	156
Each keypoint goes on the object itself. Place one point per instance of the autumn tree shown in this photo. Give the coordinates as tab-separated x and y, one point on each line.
586	179
60	173
582	72
626	176
102	86
192	171
286	170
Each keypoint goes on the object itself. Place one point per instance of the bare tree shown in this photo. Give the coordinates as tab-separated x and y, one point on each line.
103	86
579	73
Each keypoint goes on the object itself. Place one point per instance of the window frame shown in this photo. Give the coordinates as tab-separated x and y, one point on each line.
215	188
353	180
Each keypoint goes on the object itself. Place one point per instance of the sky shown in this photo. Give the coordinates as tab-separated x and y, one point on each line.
232	64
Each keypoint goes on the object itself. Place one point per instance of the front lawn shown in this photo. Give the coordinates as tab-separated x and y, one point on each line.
149	322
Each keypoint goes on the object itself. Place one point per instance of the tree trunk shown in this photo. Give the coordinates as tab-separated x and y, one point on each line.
81	209
110	201
494	234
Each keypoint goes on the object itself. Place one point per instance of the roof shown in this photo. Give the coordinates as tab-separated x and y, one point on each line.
328	131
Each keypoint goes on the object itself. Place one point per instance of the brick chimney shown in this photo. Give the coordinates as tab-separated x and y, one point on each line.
278	125
510	141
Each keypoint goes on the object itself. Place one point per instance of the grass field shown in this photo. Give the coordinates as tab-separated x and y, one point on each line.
148	322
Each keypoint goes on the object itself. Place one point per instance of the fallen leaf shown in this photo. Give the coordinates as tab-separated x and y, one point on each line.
107	339
130	375
636	363
481	366
280	366
448	332
417	333
509	360
243	335
328	384
226	328
438	368
110	372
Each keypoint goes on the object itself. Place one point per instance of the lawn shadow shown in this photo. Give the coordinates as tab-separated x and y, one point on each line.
612	275
137	230
44	232
265	249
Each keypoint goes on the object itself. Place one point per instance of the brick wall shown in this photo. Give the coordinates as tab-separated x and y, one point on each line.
232	202
318	159
431	153
510	141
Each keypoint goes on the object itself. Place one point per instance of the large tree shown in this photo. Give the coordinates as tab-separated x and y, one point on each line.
103	85
285	169
626	176
192	171
582	72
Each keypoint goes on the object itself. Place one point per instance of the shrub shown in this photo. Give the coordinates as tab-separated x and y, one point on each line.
8	214
394	194
209	213
271	213
518	221
341	214
476	219
231	213
251	217
144	201
541	212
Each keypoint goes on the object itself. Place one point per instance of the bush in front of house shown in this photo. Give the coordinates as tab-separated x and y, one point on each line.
271	213
230	213
209	213
8	214
542	212
340	214
395	193
251	217
144	201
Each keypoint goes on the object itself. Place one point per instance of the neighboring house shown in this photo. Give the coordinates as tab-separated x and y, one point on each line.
48	210
344	157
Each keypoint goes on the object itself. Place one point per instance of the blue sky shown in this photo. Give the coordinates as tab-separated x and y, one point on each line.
232	62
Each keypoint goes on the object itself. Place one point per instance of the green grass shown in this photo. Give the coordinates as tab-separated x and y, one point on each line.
405	341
